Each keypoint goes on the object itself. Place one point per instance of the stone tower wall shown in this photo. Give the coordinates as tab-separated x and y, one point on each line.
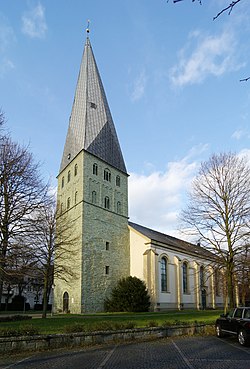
100	257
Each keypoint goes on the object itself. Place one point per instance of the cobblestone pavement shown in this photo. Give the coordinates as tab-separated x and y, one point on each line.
178	353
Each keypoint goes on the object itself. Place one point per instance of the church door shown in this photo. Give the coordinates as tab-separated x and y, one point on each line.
65	302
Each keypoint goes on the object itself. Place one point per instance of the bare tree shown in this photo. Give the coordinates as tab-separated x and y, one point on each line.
53	245
228	8
218	212
21	191
243	274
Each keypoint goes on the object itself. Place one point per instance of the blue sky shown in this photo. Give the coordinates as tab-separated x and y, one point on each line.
171	75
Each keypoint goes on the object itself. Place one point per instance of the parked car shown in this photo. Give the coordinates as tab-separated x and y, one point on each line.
235	322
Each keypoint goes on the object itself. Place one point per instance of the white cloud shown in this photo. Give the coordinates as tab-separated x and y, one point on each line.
34	23
211	55
5	66
238	134
245	153
139	86
155	200
7	38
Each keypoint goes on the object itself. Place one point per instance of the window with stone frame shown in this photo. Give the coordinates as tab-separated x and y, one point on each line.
69	175
76	170
62	182
68	202
95	169
93	197
164	281
185	277
118	181
107	175
106	202
119	207
202	276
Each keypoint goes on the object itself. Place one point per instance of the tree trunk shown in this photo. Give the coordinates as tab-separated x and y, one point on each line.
45	296
230	288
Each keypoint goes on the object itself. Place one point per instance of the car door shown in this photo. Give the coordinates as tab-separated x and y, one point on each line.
225	320
235	321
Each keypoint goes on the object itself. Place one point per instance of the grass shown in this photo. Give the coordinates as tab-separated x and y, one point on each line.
65	323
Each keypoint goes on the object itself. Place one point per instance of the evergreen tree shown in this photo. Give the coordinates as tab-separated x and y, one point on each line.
130	295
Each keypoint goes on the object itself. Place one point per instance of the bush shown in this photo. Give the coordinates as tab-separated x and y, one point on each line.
74	328
14	318
129	295
28	330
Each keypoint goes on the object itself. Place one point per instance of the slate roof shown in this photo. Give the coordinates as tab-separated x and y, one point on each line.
91	126
172	242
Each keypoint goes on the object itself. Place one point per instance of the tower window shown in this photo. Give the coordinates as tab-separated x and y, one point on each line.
68	203
106	269
119	207
76	197
107	246
95	169
62	182
107	175
93	197
69	176
76	169
118	181
106	202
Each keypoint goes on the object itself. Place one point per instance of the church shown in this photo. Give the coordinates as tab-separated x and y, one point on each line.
93	192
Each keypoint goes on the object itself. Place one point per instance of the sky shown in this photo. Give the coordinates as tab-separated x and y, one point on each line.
171	75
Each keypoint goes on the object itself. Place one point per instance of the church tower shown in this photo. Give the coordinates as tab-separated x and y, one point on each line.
93	194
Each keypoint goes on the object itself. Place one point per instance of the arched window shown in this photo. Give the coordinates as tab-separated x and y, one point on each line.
93	197
118	181
202	276
185	277
216	282
62	182
106	202
164	263
95	169
69	176
76	195
119	207
65	302
61	207
107	175
68	202
76	170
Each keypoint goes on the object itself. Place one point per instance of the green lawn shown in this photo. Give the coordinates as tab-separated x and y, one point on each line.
63	323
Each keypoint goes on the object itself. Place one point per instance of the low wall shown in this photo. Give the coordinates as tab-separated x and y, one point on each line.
53	341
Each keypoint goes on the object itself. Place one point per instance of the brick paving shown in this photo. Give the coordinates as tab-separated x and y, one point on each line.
178	353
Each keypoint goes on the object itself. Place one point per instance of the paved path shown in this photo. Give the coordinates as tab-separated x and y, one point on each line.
179	353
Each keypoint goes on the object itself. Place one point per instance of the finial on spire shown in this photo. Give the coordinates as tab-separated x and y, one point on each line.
87	29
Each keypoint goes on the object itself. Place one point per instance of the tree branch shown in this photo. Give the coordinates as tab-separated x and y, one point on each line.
229	7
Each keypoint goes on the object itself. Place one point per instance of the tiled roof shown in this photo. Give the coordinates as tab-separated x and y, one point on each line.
91	126
172	242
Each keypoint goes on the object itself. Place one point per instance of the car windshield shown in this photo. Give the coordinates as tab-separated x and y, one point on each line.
230	313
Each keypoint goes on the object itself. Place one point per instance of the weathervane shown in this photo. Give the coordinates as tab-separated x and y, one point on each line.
87	29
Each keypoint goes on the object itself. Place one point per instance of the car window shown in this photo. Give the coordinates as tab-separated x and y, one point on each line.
247	314
230	313
238	313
